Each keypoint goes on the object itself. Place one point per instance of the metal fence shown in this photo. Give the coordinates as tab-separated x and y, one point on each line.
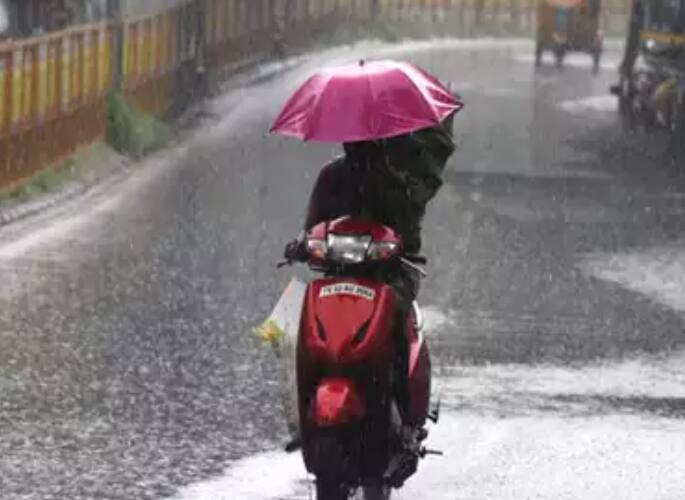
53	87
52	92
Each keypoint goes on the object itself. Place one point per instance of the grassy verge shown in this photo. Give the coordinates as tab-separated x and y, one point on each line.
129	133
86	162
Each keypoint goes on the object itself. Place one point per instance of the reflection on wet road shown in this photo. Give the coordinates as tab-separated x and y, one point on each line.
127	365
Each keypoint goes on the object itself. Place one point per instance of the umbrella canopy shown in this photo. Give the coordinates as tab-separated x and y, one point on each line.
365	101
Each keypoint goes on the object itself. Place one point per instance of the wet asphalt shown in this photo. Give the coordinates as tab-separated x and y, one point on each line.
127	363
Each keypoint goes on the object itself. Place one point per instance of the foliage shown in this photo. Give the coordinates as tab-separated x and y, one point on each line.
131	132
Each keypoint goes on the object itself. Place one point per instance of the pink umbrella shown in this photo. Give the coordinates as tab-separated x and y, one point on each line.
365	101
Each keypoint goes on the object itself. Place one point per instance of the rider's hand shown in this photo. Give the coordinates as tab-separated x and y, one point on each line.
295	251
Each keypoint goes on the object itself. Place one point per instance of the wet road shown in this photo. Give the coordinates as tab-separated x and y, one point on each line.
555	304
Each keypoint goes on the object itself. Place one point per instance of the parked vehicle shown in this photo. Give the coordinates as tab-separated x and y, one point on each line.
569	26
651	90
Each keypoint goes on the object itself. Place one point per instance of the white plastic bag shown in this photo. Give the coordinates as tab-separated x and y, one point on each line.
281	330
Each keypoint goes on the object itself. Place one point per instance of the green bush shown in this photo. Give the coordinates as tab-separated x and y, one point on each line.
131	132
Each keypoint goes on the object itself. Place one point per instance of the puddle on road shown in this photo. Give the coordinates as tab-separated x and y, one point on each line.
600	106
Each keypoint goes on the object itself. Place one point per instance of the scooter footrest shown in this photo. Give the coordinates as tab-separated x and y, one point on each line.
293	445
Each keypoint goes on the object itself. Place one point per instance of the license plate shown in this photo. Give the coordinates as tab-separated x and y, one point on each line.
348	289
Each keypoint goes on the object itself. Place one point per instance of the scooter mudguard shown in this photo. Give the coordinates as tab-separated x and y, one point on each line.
337	402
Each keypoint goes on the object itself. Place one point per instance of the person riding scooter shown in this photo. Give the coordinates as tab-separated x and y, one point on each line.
389	181
363	402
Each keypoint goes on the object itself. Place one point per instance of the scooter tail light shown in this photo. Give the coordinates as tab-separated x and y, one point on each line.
338	401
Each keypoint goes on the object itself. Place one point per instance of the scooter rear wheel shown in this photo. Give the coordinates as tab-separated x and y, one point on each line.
377	493
330	489
332	461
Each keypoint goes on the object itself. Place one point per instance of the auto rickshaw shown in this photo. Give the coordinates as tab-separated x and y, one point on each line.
569	26
651	90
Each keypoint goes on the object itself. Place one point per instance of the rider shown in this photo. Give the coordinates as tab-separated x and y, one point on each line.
391	182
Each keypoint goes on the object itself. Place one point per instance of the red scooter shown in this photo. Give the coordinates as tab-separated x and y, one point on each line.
354	435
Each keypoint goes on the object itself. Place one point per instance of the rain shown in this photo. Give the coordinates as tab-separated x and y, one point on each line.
132	278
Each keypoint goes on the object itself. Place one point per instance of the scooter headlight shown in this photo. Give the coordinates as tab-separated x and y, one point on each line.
348	249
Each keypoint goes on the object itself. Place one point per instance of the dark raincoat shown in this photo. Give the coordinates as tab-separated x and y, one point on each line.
389	181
